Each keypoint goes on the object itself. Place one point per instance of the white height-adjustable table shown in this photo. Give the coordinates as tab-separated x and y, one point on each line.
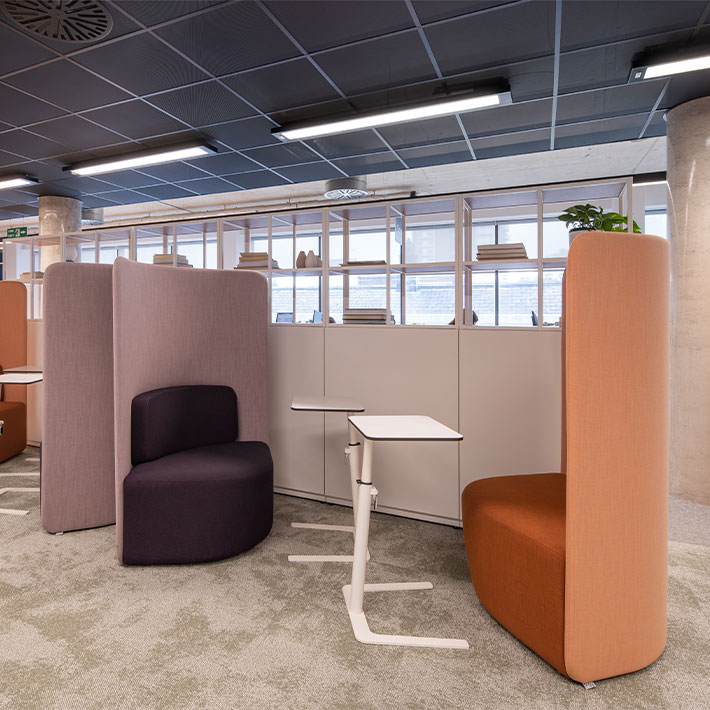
387	428
352	453
24	375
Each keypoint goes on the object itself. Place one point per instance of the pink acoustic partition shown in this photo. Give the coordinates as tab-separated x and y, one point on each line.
77	445
176	326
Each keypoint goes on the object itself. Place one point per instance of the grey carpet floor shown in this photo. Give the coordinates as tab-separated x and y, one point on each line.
78	631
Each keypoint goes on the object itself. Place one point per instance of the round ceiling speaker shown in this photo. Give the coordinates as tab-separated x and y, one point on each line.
65	20
349	188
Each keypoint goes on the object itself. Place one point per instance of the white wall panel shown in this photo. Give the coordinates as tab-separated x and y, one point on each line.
407	371
296	438
510	411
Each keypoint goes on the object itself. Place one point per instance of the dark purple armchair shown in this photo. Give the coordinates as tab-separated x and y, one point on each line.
194	494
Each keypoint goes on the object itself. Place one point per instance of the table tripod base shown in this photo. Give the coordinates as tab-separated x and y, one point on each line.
362	631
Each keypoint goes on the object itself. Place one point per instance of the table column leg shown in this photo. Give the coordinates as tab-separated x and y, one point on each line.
353	451
362	531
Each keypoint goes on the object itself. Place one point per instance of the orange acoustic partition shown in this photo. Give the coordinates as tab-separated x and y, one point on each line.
13	353
575	563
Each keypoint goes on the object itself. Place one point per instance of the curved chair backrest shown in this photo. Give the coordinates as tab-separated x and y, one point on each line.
616	318
13	333
77	432
175	327
172	419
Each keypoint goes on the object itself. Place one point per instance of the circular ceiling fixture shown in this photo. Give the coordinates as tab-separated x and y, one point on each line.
65	20
349	188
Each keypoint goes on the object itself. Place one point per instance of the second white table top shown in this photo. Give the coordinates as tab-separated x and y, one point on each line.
402	427
317	403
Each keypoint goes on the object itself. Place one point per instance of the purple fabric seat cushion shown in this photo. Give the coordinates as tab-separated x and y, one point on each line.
172	419
199	505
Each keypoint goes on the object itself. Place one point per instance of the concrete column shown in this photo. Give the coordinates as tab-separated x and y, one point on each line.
57	215
689	225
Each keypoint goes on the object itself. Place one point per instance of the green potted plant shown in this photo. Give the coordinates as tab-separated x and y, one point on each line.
586	218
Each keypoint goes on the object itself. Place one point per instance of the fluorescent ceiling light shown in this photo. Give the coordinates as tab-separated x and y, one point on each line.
680	66
387	118
142	159
9	181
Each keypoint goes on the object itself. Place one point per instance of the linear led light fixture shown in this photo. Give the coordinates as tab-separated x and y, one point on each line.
678	66
142	159
446	107
8	181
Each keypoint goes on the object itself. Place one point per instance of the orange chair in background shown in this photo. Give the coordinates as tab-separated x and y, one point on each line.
13	353
575	563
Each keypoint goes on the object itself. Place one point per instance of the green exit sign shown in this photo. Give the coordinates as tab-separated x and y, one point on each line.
16	232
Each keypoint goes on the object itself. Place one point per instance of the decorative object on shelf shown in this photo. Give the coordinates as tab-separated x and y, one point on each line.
311	260
499	252
588	218
301	260
255	260
370	316
26	276
167	260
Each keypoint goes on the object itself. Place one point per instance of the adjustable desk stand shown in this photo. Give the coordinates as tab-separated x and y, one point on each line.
352	453
25	375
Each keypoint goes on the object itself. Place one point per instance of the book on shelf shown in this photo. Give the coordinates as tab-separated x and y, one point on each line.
167	259
514	250
365	316
370	262
253	255
26	276
257	264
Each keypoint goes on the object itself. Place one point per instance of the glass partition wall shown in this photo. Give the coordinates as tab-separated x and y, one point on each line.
483	259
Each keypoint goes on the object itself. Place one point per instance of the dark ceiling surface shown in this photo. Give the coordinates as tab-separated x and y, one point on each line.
171	71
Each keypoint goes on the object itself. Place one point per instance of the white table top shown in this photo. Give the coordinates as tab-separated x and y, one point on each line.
20	378
403	427
316	403
24	368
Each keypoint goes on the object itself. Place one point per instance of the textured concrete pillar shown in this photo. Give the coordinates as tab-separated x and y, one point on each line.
689	222
57	215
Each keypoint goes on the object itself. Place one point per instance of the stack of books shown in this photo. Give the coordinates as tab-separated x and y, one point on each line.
501	252
371	262
167	260
370	316
255	260
26	276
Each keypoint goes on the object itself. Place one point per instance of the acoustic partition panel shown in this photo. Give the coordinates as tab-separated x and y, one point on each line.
77	446
176	327
13	353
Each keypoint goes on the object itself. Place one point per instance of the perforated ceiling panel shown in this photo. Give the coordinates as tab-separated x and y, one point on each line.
151	73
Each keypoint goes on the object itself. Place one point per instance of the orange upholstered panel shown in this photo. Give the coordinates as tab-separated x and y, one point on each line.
13	333
617	365
14	438
514	527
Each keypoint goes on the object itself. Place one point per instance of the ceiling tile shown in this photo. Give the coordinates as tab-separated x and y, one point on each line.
593	132
347	144
378	64
374	163
435	130
442	154
259	178
9	158
240	35
18	51
74	131
596	21
686	87
432	10
83	184
150	12
29	145
130	179
19	109
135	119
125	197
247	133
67	85
476	41
173	172
208	186
224	163
625	99
510	117
339	22
281	86
92	201
202	104
141	64
285	154
310	172
512	144
166	192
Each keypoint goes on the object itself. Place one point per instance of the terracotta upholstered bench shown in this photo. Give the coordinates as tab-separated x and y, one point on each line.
194	494
14	436
575	563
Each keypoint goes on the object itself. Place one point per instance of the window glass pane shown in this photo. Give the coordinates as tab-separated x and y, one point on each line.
555	238
367	244
552	296
232	243
153	240
281	245
514	232
357	291
308	298
112	244
657	223
517	297
483	297
482	234
282	298
430	299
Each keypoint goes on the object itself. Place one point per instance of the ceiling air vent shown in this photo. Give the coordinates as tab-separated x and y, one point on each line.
65	20
350	188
